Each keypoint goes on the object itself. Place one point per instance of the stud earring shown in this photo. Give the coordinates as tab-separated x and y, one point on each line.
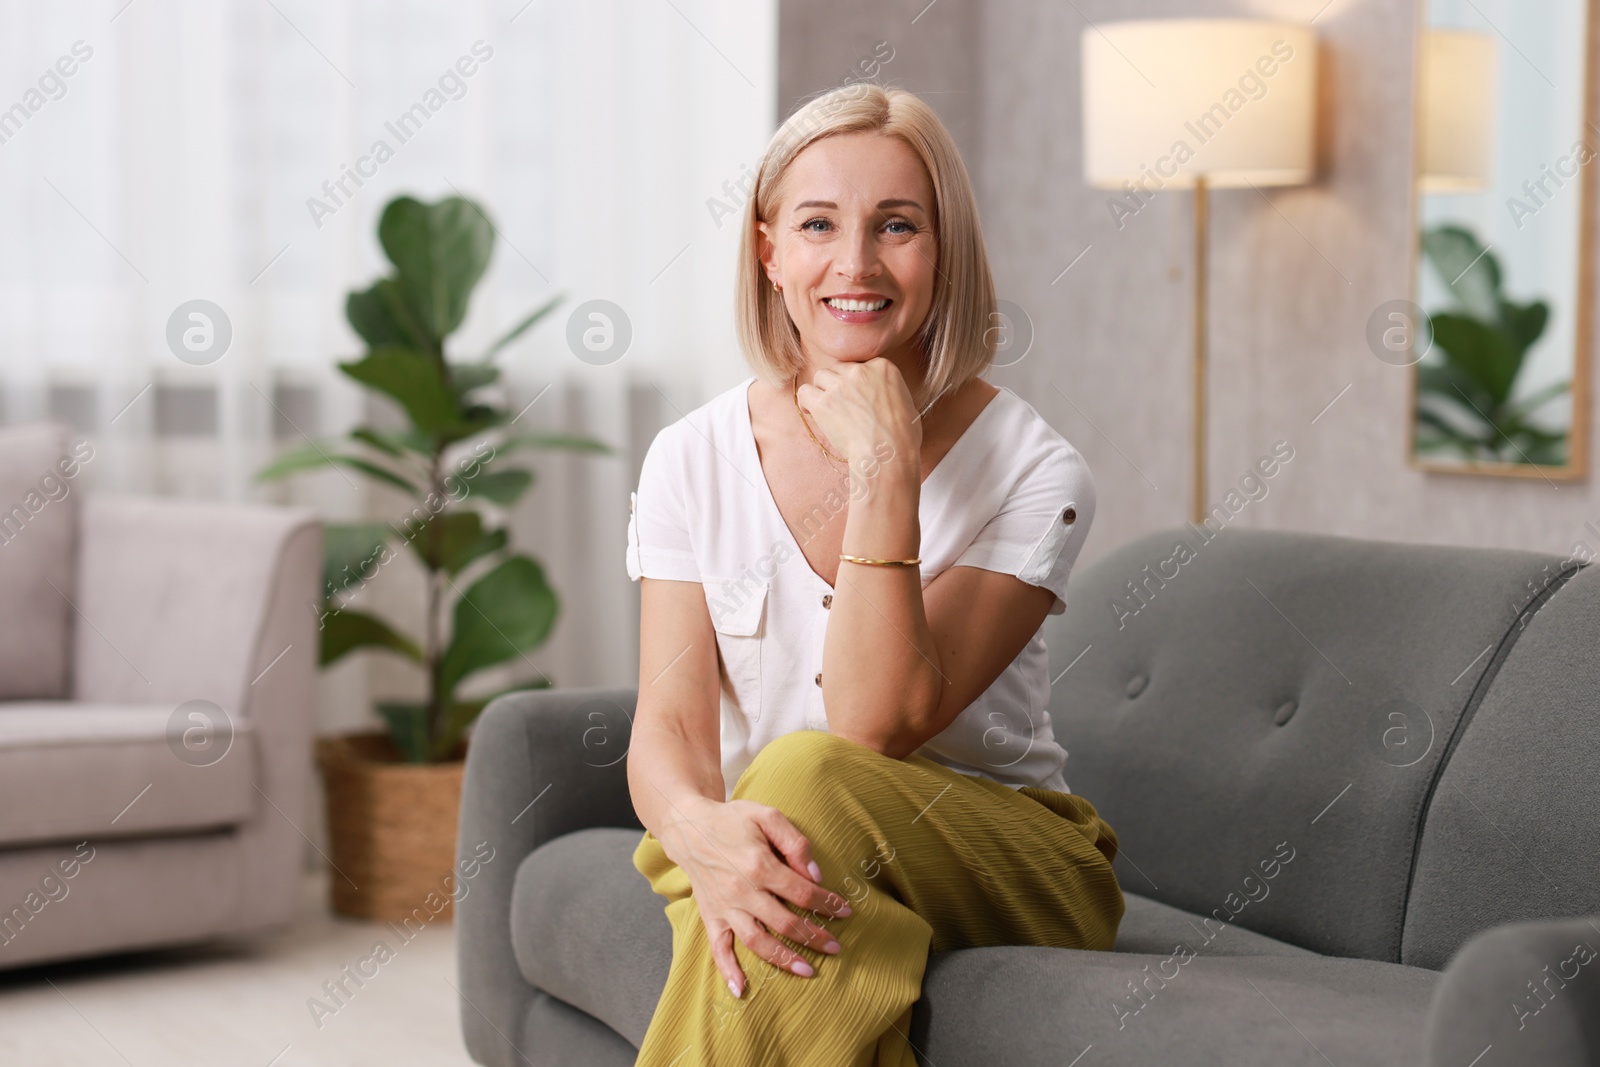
776	287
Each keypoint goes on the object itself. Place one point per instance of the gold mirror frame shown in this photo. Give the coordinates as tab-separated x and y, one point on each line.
1577	466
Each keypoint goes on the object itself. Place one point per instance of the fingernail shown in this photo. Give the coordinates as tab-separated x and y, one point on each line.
831	946
844	911
802	968
816	872
733	988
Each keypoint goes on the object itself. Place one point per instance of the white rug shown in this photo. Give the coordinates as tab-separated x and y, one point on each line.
252	1005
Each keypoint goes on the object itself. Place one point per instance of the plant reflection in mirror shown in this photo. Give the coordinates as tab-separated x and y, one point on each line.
1467	381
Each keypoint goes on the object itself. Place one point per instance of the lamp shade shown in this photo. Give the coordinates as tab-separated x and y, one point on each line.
1459	80
1165	101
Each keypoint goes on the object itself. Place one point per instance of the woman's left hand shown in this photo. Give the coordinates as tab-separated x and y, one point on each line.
860	407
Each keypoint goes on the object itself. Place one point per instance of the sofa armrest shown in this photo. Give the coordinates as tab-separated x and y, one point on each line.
1529	989
540	764
172	598
177	600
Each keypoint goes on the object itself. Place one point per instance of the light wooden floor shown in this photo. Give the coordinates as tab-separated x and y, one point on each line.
220	1007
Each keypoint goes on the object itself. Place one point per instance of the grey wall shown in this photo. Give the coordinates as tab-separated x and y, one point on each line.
1295	274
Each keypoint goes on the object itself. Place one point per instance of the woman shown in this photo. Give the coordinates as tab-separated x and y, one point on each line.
841	751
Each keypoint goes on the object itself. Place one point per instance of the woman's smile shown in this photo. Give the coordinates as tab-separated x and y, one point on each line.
857	307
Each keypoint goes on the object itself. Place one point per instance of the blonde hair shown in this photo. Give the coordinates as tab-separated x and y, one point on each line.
957	340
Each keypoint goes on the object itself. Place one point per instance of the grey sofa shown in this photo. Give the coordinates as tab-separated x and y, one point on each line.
1356	783
158	664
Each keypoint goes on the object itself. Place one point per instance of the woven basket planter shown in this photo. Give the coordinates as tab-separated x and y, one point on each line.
392	826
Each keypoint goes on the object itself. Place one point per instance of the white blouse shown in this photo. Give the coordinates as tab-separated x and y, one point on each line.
1011	495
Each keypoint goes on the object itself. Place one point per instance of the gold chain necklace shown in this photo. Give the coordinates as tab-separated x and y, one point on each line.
807	425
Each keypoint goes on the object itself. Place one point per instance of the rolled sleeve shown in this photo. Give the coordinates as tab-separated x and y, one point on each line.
1041	525
658	530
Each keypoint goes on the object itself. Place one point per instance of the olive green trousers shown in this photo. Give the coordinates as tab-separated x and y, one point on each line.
929	859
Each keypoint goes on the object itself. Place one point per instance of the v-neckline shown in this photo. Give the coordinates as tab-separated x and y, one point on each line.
772	500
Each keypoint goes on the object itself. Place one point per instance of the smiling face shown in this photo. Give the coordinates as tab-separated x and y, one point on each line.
852	242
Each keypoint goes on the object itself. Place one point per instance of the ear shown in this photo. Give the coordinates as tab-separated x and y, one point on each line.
767	251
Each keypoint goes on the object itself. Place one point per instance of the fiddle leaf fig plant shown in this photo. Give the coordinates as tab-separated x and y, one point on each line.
1465	405
453	460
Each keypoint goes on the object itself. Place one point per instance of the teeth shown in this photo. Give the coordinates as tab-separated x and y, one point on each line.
857	305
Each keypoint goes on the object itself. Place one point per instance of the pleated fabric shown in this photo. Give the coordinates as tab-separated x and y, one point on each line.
930	860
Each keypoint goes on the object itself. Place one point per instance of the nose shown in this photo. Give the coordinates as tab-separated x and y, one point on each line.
858	254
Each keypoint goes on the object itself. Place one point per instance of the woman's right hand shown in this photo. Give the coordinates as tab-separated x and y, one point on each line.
744	860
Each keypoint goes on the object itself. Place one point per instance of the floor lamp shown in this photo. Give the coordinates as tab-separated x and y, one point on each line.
1196	104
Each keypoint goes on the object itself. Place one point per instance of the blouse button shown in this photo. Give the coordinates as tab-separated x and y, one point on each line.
819	679
827	600
1069	515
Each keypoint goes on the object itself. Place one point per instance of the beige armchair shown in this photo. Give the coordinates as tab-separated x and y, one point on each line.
158	663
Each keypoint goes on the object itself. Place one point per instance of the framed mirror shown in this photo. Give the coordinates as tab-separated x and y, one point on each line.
1507	150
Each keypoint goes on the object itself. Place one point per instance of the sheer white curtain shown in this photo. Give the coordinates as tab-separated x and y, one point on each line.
199	150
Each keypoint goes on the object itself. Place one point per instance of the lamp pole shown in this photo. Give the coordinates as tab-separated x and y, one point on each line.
1198	481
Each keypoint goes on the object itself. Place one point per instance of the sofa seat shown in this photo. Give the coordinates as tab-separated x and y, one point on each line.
587	929
1025	1005
71	771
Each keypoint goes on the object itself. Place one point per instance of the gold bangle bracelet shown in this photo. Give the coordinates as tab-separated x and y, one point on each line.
846	557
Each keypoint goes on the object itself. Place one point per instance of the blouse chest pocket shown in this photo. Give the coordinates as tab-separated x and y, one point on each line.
738	614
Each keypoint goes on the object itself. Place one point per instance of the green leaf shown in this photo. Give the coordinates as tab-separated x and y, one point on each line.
1486	354
1525	322
295	460
383	475
383	442
457	718
380	317
314	456
408	728
350	553
520	328
1530	404
570	442
1466	268
490	542
500	616
1445	429
465	377
475	419
453	540
1441	377
414	379
347	630
396	442
502	487
440	250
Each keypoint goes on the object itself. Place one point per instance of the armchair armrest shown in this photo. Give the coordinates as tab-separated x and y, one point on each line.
540	764
1529	989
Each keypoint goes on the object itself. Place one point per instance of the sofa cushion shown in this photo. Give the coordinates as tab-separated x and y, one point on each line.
587	929
1260	715
1023	1006
1510	831
73	771
38	535
1150	926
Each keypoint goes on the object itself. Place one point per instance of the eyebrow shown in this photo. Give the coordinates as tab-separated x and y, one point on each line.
882	204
